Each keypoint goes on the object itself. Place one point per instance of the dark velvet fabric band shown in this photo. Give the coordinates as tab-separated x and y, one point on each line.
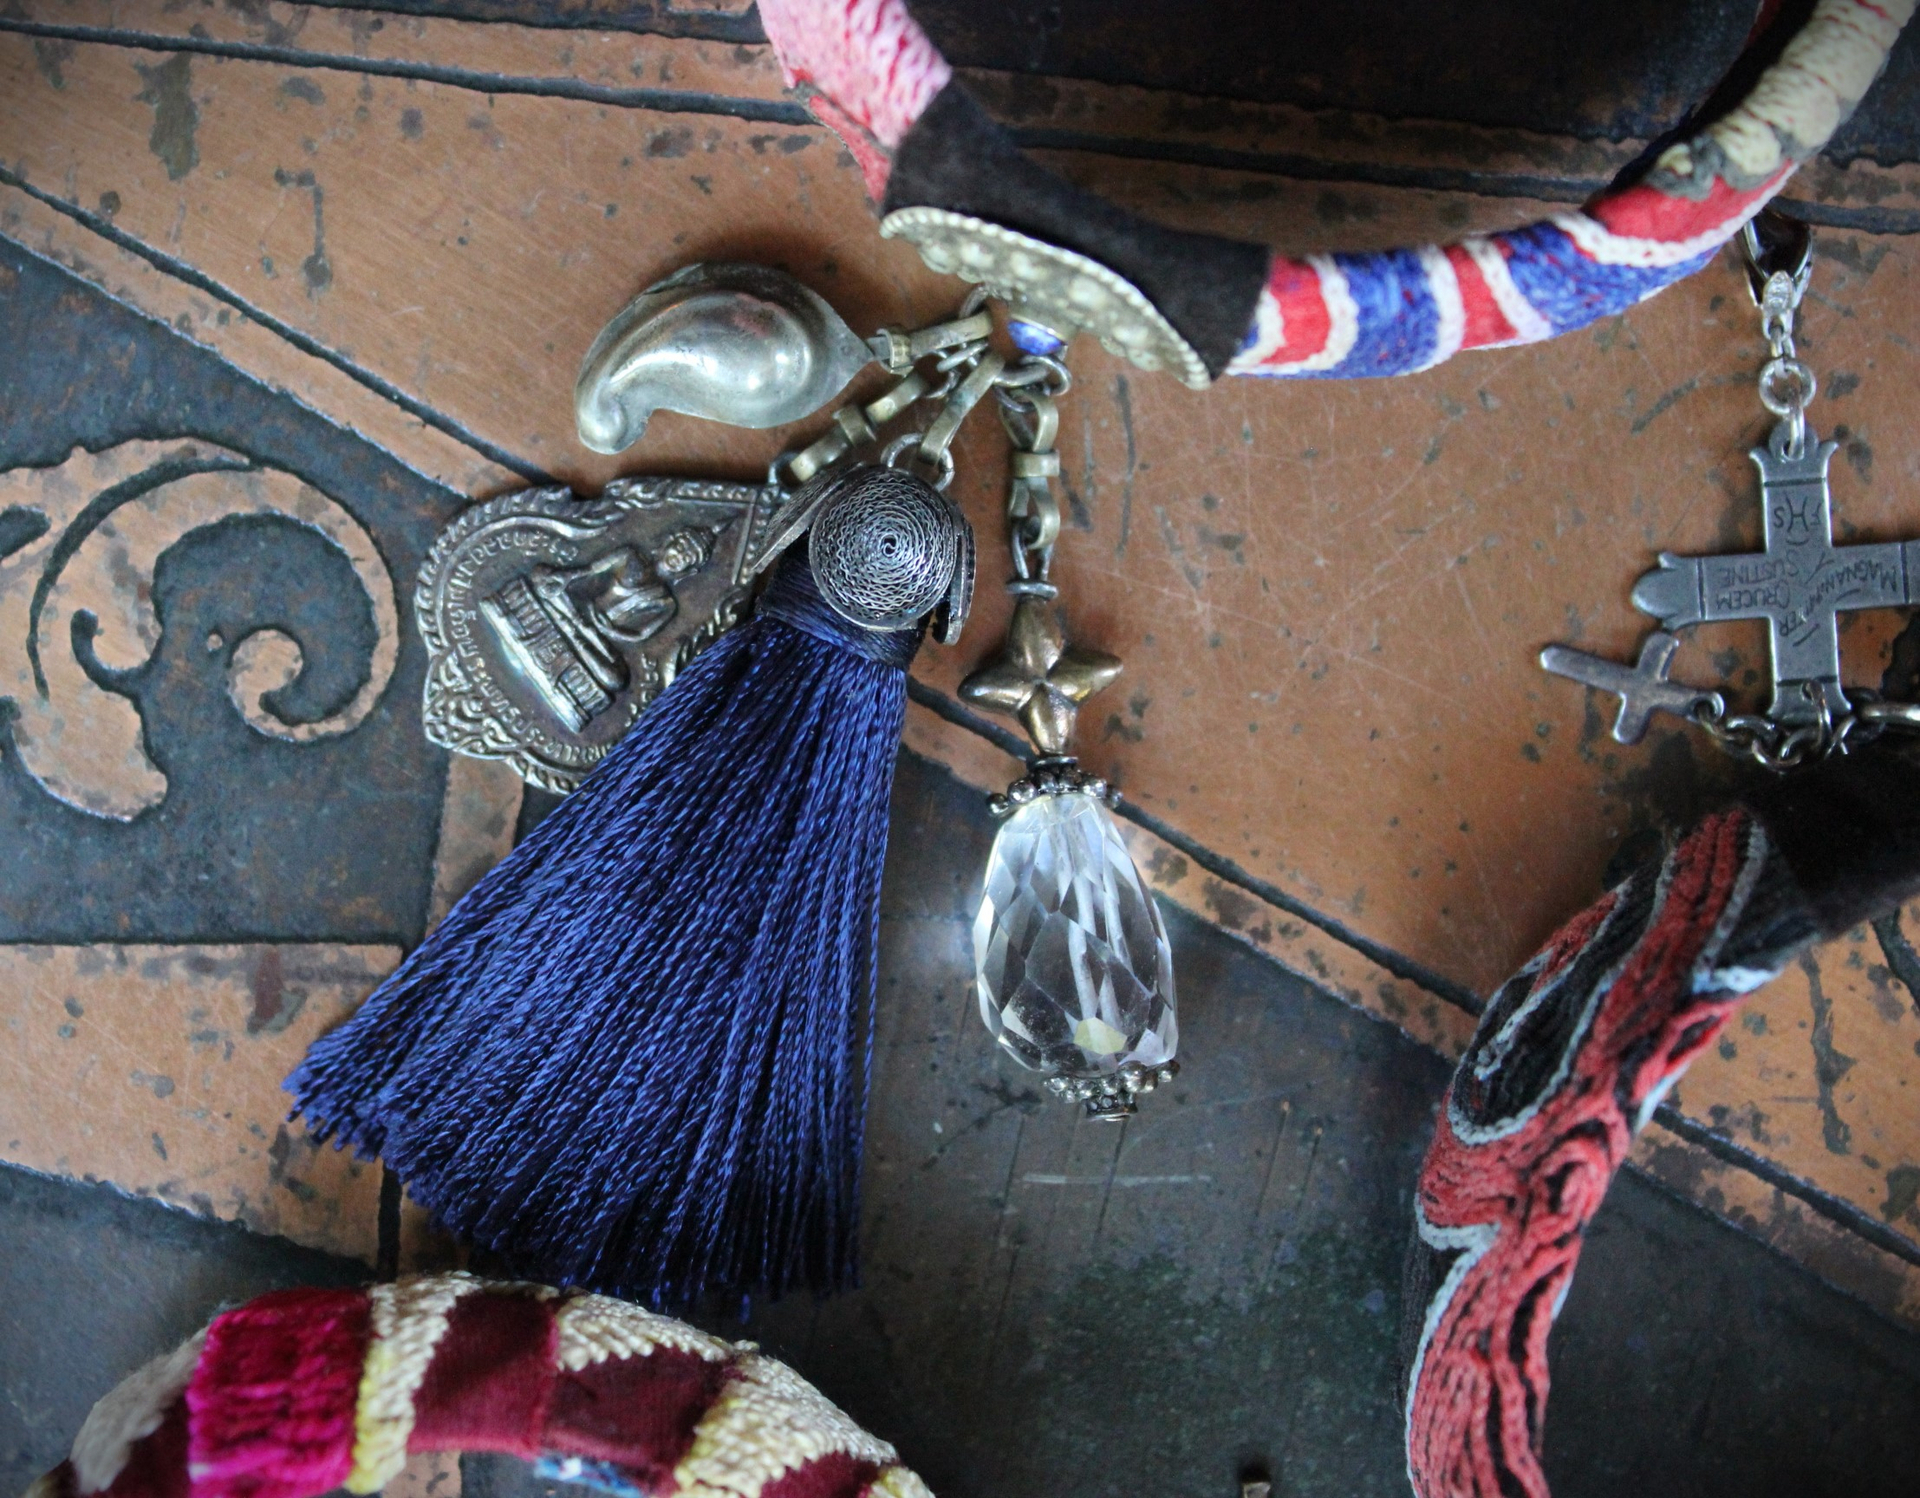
957	158
1850	831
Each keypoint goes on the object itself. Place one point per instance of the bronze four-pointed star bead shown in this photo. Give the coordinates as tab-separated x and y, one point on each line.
1038	677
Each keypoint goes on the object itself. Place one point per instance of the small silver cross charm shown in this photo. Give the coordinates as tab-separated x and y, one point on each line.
1799	584
1643	688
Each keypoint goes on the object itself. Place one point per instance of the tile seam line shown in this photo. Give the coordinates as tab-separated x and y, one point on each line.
1220	867
1841	1213
1305	169
1880	1312
1286	166
307	344
662	101
738	29
1870	220
147	1200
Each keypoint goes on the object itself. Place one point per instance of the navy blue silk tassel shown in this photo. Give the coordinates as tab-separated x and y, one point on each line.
635	1056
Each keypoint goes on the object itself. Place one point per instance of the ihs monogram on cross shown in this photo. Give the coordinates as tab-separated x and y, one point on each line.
1800	584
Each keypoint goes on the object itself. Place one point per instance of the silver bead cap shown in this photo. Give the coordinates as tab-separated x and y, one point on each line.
885	547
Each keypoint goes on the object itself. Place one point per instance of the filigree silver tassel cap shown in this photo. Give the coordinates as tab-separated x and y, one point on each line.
1072	963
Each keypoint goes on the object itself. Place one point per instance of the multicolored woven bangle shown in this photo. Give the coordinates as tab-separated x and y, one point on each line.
304	1391
872	74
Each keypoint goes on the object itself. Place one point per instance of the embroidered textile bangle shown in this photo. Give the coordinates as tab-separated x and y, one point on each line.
952	181
1570	1060
302	1391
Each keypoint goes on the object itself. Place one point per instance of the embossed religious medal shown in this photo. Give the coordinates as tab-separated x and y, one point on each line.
552	621
1800	582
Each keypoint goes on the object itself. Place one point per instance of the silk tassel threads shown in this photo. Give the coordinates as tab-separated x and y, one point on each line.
635	1056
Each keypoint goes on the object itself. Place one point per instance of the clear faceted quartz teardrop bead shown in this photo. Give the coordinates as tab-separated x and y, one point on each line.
1073	966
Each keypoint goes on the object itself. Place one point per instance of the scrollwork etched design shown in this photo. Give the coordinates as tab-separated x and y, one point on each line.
95	526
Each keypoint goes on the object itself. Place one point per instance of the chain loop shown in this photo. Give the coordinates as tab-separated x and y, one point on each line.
908	448
1032	422
964	368
1778	746
1034	369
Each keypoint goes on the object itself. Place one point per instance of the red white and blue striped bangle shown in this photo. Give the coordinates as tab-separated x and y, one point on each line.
870	72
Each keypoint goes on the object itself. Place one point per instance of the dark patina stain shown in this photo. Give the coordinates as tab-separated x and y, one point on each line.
20	527
1903	1190
1164	866
169	89
273	1007
316	269
1123	403
1902	961
1859	455
1830	1066
259	15
668	145
48	55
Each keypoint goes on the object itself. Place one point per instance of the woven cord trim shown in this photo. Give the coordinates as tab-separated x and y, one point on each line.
409	1319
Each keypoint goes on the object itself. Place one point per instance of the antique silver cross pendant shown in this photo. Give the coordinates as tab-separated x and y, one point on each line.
1799	582
1643	688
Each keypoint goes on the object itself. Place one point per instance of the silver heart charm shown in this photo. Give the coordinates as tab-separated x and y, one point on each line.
743	344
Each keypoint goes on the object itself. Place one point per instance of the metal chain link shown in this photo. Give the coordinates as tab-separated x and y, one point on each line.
965	367
1779	746
1030	413
1779	263
1779	256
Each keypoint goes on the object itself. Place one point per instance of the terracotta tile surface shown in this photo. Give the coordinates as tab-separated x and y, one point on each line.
1329	596
158	1069
1822	1069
